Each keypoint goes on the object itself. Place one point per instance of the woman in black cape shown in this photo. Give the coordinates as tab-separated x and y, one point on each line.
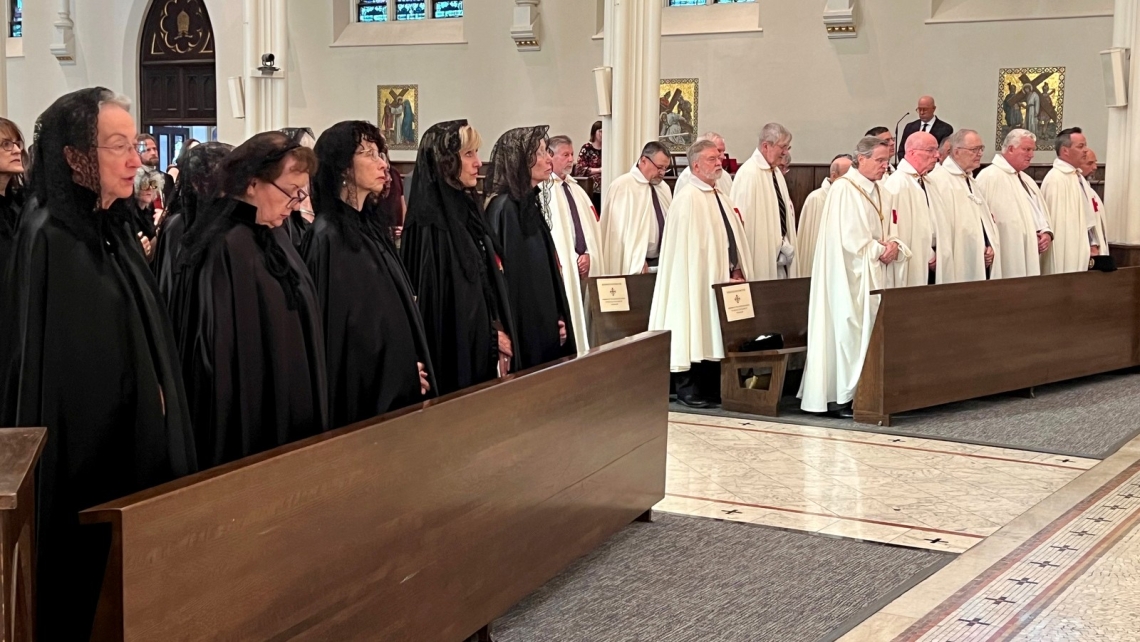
87	350
454	263
194	191
375	345
537	297
12	148
301	219
251	340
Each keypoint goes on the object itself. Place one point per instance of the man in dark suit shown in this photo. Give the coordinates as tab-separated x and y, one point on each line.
927	122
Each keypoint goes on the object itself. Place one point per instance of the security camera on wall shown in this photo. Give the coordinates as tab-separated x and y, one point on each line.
267	66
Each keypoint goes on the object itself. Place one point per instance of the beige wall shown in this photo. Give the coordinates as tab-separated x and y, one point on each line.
827	91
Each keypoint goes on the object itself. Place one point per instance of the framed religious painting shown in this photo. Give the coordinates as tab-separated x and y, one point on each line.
678	115
1031	98
398	115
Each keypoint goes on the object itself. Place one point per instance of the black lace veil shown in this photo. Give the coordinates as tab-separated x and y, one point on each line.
512	159
336	153
196	185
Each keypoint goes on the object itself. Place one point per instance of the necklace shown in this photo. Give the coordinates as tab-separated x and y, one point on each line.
878	208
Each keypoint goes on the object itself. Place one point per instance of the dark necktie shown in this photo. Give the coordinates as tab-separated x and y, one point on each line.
970	186
660	216
783	208
922	184
733	254
579	236
926	127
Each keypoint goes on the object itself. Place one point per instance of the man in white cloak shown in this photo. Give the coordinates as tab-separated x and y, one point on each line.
885	134
1017	206
851	255
973	236
761	194
704	245
912	219
1101	225
1069	206
808	230
634	213
576	233
724	183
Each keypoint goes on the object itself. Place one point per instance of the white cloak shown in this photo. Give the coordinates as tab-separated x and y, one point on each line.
753	193
723	184
1072	217
841	308
1100	225
693	259
912	222
808	231
628	220
1013	207
960	204
562	231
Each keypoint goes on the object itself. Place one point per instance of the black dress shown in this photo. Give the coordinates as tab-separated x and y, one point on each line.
166	252
373	332
251	340
295	227
536	294
87	351
11	203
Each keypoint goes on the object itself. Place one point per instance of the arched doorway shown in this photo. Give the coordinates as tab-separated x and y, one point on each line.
177	77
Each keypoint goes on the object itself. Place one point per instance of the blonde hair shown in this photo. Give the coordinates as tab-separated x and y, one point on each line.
469	139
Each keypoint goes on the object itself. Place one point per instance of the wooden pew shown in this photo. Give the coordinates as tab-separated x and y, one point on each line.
939	344
423	524
781	307
20	450
605	327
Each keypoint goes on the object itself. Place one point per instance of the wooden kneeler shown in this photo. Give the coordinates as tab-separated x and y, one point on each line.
737	397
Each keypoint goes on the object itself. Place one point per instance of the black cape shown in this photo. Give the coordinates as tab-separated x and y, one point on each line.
254	367
460	314
373	332
534	280
87	351
11	204
296	226
166	251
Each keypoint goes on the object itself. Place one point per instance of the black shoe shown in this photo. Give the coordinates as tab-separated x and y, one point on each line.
843	412
692	401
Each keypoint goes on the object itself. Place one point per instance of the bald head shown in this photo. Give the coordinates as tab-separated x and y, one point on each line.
926	108
922	152
1090	164
839	166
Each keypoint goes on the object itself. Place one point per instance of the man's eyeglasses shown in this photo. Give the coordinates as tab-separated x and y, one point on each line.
9	145
659	168
976	150
294	199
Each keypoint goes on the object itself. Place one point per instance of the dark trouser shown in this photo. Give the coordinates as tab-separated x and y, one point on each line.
701	381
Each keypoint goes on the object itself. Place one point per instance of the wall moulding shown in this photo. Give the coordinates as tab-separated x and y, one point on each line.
955	11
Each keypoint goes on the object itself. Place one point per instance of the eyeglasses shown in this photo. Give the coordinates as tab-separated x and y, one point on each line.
370	154
9	145
123	148
294	199
659	168
976	150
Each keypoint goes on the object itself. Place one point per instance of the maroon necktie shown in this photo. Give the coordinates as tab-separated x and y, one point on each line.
579	236
660	216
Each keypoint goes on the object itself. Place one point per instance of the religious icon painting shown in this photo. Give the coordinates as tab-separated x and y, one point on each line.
1031	98
678	122
398	115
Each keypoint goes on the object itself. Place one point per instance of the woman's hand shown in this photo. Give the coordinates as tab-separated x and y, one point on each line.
561	332
424	385
505	353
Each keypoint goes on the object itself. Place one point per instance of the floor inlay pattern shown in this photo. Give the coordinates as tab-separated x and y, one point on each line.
914	492
1074	580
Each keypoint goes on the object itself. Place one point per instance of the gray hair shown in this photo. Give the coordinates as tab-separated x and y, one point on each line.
774	134
696	148
147	178
653	148
1015	137
557	141
957	140
119	100
713	136
835	161
867	146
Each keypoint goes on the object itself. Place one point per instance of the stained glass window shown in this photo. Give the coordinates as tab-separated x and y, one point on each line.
410	9
372	11
448	9
16	29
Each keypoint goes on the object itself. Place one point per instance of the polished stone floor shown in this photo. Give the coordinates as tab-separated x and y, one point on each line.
1049	545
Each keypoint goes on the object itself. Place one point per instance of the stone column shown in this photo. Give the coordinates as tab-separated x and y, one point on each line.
633	49
1122	158
266	106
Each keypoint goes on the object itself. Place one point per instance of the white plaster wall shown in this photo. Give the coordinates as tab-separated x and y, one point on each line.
827	91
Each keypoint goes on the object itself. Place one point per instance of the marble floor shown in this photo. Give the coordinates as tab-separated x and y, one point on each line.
1050	548
912	492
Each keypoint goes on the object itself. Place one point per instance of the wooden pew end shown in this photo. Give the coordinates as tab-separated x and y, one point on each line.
736	396
646	517
863	417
